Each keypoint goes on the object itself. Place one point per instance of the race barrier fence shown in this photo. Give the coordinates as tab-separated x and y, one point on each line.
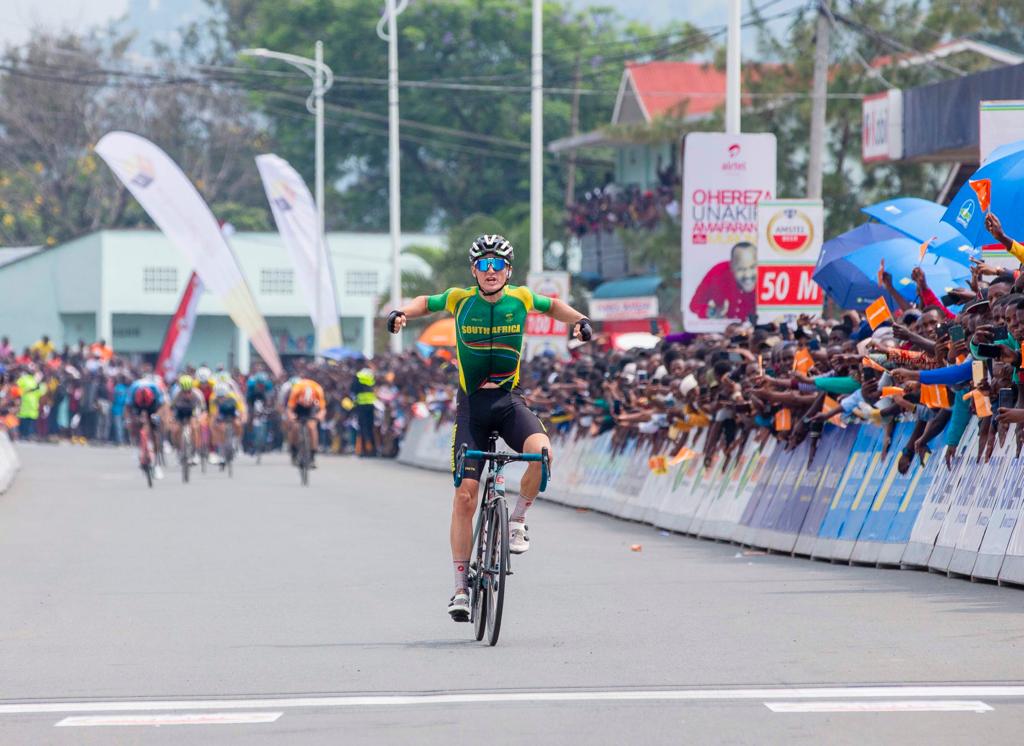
9	462
849	504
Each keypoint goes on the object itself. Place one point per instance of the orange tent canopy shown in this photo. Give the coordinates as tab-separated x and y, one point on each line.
439	334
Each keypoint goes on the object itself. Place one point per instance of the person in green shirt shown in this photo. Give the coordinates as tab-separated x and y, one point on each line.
490	322
28	414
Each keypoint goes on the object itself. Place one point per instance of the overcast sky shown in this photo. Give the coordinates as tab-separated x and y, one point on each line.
158	18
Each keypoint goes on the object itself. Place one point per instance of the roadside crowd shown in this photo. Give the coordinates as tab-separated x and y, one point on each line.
931	361
610	207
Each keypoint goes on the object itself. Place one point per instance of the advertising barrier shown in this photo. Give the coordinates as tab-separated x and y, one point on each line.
849	503
9	462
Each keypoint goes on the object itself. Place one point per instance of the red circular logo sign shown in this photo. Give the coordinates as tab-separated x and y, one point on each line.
790	230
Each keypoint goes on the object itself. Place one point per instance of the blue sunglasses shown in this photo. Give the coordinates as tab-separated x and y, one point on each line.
490	262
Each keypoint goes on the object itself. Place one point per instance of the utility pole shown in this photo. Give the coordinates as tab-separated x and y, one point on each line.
733	65
574	129
819	94
390	19
537	141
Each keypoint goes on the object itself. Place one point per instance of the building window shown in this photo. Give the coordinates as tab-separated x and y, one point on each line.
277	281
159	280
122	332
361	283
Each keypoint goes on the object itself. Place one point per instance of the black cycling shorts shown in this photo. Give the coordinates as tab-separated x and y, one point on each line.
183	414
302	412
491	410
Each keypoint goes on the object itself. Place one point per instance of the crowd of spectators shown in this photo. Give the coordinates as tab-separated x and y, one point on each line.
609	207
934	362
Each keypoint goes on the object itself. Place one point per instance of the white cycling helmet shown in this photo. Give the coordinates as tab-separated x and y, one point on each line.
222	389
491	243
203	374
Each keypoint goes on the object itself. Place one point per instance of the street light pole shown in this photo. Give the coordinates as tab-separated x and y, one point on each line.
323	78
537	141
394	165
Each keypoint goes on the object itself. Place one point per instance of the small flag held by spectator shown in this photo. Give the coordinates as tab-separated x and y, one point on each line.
934	396
982	405
783	420
983	188
878	313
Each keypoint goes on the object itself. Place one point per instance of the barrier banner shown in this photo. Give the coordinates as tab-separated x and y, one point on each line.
891	553
792	518
863	459
894	489
174	204
837	443
878	480
936	506
1012	567
965	553
298	222
752	473
786	492
724	178
1003	522
956	515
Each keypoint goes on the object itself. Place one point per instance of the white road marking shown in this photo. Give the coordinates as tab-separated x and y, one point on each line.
987	691
189	718
919	705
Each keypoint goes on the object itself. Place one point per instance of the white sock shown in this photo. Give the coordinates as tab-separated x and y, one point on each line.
461	574
519	512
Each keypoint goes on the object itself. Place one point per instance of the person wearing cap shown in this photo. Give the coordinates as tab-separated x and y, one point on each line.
365	397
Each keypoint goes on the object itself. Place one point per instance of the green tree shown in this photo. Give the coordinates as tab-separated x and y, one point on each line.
464	150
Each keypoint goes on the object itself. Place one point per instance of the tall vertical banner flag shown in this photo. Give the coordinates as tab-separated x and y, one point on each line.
299	225
724	179
179	331
789	238
179	211
543	333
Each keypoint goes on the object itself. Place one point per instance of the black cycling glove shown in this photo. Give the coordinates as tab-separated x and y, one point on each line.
586	330
393	321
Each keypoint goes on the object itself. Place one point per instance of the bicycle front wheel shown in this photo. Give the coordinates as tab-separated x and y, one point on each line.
497	567
479	585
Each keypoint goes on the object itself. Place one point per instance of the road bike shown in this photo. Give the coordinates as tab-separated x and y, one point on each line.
146	456
305	455
259	430
490	565
185	449
227	448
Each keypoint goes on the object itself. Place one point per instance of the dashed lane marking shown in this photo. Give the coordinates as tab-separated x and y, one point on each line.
188	718
904	705
767	694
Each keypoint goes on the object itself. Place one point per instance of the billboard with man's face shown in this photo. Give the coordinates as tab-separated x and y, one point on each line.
724	178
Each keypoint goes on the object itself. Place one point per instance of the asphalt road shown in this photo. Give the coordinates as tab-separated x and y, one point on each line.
317	615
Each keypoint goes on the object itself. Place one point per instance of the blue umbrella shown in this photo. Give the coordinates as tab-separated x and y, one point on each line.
852	278
341	353
919	219
1005	171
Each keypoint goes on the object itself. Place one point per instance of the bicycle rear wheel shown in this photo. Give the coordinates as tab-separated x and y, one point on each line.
304	455
185	453
497	567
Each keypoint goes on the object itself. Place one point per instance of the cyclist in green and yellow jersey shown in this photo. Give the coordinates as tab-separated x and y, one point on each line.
490	321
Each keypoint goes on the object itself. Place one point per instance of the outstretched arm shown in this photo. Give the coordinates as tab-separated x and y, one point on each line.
416	308
562	311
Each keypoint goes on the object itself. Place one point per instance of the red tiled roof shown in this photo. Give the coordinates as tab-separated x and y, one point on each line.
667	86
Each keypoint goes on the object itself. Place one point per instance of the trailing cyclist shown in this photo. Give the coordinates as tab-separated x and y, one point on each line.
145	399
259	388
307	407
226	410
187	404
490	320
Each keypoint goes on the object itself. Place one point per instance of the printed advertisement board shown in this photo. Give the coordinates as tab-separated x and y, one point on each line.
624	309
882	127
789	238
724	178
543	332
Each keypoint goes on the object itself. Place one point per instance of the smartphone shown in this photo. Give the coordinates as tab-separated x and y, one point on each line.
992	351
978	372
956	332
739	339
735	357
1000	332
784	331
943	330
641	376
1007	398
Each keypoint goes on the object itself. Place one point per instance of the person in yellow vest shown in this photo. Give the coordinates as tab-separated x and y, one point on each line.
365	397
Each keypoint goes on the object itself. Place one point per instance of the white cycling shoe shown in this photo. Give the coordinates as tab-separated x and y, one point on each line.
518	539
458	606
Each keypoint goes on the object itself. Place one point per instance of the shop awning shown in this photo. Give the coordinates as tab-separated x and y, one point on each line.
629	287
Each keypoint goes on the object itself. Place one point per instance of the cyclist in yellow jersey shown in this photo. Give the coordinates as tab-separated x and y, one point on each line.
490	321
